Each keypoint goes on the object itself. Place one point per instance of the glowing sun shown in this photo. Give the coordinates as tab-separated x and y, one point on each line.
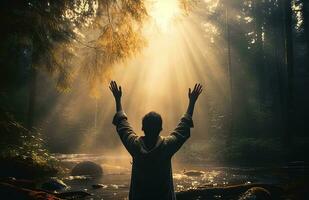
164	12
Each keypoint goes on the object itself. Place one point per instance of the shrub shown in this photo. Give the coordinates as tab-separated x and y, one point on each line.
22	152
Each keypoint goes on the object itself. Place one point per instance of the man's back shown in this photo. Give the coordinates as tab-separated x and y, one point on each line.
151	176
152	173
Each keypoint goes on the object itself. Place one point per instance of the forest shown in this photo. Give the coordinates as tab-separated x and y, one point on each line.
57	58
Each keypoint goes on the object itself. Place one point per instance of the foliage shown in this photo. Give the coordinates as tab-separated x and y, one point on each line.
49	32
21	148
119	23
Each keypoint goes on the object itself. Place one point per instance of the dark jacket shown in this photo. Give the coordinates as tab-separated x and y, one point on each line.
151	176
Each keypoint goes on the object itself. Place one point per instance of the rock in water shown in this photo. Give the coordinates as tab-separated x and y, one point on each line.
193	173
54	184
98	186
256	193
87	168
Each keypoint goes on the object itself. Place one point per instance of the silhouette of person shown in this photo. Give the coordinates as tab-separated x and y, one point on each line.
151	176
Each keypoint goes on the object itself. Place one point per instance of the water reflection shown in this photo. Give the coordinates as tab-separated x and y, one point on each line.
115	182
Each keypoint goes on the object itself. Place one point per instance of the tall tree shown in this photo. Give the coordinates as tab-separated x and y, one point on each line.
229	67
259	24
290	69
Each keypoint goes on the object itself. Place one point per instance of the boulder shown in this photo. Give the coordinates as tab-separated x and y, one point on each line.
87	168
98	186
193	173
54	184
257	193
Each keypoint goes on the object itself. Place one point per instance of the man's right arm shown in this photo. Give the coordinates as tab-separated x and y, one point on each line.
193	96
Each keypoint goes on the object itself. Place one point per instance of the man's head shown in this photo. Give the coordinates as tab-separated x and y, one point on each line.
152	124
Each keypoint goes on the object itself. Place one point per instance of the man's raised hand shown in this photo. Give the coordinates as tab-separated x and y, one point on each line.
117	92
193	95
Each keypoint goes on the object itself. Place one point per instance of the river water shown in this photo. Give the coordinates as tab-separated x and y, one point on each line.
116	179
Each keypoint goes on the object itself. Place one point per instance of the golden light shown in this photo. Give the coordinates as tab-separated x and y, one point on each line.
177	55
164	12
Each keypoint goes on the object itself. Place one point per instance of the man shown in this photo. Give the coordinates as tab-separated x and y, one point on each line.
151	169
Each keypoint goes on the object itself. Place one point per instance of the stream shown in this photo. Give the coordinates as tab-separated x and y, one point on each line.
115	182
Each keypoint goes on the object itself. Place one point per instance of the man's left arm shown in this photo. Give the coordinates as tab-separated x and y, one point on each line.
120	120
125	132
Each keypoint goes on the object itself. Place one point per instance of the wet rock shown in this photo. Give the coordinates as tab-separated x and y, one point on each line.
193	173
54	184
87	168
114	186
98	186
256	193
70	178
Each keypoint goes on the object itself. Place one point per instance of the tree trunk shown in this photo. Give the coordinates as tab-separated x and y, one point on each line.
290	69
229	69
280	53
259	17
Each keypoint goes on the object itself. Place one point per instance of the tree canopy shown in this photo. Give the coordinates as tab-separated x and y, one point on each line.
51	32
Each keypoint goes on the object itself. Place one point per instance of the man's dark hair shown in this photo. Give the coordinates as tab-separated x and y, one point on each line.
152	123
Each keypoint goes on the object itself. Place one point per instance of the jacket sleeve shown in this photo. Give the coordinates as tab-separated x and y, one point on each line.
180	135
125	132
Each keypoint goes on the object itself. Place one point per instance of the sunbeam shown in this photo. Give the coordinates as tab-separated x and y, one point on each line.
158	78
164	12
177	55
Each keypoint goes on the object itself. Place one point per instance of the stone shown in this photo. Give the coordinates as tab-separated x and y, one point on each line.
256	193
54	184
98	186
87	168
193	173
